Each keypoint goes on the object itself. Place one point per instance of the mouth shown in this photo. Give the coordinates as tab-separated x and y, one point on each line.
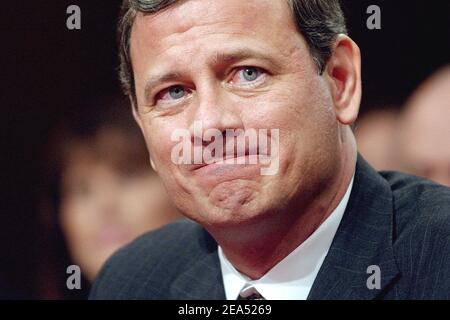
248	158
238	158
233	161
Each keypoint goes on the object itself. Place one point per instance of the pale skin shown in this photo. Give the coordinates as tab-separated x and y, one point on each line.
207	47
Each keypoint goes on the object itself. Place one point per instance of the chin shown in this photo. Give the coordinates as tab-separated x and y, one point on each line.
220	217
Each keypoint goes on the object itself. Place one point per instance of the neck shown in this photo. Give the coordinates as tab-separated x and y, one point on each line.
256	248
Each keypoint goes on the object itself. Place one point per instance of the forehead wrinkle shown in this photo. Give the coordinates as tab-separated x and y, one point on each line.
190	15
180	29
184	27
172	38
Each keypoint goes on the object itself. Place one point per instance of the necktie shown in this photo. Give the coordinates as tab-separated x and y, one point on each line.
250	294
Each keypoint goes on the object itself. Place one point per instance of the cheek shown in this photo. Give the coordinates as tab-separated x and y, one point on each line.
75	220
159	141
293	106
303	113
138	202
146	210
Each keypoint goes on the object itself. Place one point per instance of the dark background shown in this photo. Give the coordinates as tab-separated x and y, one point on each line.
47	70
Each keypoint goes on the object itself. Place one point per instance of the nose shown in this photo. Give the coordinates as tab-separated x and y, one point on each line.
214	111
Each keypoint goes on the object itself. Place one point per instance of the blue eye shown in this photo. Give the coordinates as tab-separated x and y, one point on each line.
247	76
172	94
177	92
250	74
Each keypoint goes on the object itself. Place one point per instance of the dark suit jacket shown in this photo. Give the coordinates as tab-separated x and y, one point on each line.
398	222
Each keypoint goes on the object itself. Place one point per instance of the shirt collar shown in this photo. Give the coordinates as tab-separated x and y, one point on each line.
293	277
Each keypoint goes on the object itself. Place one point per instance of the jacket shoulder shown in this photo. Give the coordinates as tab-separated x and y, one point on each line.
421	234
143	268
418	202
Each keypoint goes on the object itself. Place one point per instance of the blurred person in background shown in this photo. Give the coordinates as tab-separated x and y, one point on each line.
423	142
374	134
100	195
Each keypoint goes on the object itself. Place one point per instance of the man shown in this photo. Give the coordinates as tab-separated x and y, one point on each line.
324	225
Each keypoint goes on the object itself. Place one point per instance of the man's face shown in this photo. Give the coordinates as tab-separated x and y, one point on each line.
233	65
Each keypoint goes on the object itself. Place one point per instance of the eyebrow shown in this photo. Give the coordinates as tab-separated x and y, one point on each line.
218	58
239	54
153	81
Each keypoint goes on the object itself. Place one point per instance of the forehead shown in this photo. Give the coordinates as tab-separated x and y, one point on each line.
181	26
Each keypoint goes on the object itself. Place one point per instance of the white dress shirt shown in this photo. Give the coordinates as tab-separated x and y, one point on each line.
293	277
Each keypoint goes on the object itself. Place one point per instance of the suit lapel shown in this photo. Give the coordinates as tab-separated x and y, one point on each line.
363	239
202	280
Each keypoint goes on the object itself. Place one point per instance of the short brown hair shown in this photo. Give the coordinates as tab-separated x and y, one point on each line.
319	21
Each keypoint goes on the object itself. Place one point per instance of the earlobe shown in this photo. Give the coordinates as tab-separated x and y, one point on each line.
153	164
344	74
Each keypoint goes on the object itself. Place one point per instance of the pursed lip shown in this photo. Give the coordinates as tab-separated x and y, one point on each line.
245	160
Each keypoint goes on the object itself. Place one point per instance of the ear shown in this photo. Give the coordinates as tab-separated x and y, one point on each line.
343	71
139	122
